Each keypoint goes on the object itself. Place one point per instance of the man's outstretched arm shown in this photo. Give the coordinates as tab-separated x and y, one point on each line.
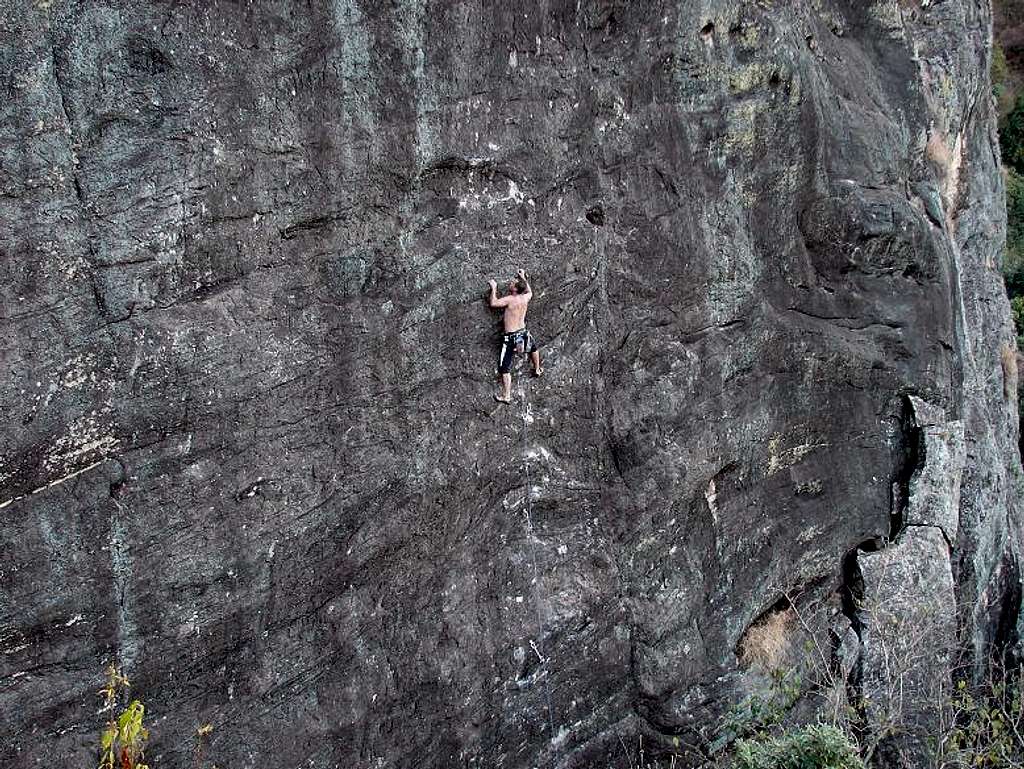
495	300
529	291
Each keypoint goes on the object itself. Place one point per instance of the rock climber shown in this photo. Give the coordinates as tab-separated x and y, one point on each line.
516	338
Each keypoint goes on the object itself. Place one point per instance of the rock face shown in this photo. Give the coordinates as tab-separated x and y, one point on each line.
251	454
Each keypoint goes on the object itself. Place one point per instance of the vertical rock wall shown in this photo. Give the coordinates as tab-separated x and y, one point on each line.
250	453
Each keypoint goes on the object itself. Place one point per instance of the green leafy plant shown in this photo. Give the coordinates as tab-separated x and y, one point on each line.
756	714
123	740
808	747
1011	137
1013	263
1001	78
1017	308
984	729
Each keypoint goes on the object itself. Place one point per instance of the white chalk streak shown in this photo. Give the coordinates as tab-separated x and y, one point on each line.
51	484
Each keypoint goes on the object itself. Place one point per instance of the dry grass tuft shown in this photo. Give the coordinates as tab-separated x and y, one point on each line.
1008	357
766	642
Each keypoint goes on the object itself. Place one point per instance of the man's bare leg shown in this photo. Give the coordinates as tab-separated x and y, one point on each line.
506	389
535	360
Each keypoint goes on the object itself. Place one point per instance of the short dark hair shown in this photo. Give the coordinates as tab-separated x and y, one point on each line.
520	286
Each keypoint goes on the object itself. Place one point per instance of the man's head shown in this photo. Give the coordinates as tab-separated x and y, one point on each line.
517	286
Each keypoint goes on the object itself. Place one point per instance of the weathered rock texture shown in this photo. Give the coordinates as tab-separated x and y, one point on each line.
250	452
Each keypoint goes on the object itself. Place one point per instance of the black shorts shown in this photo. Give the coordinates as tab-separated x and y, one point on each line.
512	343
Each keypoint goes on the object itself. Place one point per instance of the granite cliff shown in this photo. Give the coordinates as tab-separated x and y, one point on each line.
250	452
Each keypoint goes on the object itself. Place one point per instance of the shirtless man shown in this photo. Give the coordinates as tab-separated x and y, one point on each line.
516	338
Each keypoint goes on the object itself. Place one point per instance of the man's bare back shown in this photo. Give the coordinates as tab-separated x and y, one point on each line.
515	312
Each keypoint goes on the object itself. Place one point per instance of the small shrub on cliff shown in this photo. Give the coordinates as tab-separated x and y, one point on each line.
202	734
985	730
1013	263
123	741
757	714
1017	308
1011	137
808	747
